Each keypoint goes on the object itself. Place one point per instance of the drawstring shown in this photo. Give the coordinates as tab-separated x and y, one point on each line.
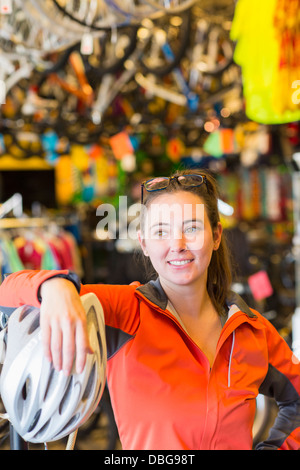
230	357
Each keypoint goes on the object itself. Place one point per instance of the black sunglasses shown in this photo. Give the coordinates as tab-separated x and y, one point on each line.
162	182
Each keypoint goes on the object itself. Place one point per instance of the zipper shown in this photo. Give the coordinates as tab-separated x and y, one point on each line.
229	328
230	358
232	323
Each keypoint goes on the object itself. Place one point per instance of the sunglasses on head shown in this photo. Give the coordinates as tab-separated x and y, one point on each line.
162	182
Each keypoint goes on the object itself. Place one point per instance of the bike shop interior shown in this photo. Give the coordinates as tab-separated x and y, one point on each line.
98	96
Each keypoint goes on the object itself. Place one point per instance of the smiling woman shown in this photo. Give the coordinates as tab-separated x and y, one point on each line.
181	234
183	210
186	357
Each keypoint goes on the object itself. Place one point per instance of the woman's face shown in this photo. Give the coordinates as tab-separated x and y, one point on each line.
178	238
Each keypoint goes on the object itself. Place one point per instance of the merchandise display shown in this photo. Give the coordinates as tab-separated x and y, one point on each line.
267	36
96	97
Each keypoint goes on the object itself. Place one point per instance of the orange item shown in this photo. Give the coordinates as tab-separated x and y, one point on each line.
227	139
121	145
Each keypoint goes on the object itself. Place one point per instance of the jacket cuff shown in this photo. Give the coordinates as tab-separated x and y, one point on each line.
70	276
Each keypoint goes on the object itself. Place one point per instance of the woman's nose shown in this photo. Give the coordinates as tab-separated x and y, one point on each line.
178	242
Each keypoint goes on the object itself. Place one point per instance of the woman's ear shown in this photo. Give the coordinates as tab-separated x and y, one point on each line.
218	236
142	242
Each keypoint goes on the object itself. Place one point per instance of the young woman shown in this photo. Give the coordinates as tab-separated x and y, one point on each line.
186	357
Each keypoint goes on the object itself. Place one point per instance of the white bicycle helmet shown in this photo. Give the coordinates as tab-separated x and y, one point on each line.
43	404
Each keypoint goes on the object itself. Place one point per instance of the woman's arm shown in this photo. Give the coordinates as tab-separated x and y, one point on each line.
62	316
63	325
23	287
63	322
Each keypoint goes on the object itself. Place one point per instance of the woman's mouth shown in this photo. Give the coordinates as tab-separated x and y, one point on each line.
180	262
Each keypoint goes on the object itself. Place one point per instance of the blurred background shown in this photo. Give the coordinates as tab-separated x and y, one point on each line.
97	96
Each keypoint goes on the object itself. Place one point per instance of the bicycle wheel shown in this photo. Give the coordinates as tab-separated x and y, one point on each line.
101	18
172	7
174	31
46	15
30	33
218	52
110	52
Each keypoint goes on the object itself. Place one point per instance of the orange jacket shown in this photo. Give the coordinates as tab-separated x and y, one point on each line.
163	391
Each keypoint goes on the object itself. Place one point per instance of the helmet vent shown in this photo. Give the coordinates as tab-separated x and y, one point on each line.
35	420
90	383
51	383
34	325
67	397
72	424
41	433
26	388
26	310
22	397
100	345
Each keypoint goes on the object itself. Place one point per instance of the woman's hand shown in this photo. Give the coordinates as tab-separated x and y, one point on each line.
63	325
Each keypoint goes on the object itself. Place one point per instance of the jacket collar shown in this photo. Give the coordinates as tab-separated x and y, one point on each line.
154	292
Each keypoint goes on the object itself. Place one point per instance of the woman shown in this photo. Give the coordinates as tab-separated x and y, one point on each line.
187	357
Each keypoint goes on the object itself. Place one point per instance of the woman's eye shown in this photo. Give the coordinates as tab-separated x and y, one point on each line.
192	229
160	234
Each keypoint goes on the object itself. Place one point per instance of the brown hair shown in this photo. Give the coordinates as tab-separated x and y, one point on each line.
219	277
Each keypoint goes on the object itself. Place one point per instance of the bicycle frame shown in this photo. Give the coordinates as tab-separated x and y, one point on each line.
192	100
84	92
105	99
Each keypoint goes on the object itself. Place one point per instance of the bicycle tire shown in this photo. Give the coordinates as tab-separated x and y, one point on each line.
183	6
182	43
40	12
91	27
93	73
220	68
60	63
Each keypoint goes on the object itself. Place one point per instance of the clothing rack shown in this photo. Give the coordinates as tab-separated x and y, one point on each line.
15	205
29	222
45	242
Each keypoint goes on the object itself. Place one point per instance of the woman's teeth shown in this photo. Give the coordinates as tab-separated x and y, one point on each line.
180	263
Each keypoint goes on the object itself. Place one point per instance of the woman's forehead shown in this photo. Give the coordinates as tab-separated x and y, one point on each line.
169	209
166	198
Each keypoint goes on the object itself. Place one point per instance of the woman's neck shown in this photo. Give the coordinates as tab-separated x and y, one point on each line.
192	300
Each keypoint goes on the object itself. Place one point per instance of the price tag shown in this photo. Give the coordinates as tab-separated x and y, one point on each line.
260	285
87	44
5	7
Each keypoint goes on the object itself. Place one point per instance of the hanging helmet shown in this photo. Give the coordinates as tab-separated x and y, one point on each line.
43	404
